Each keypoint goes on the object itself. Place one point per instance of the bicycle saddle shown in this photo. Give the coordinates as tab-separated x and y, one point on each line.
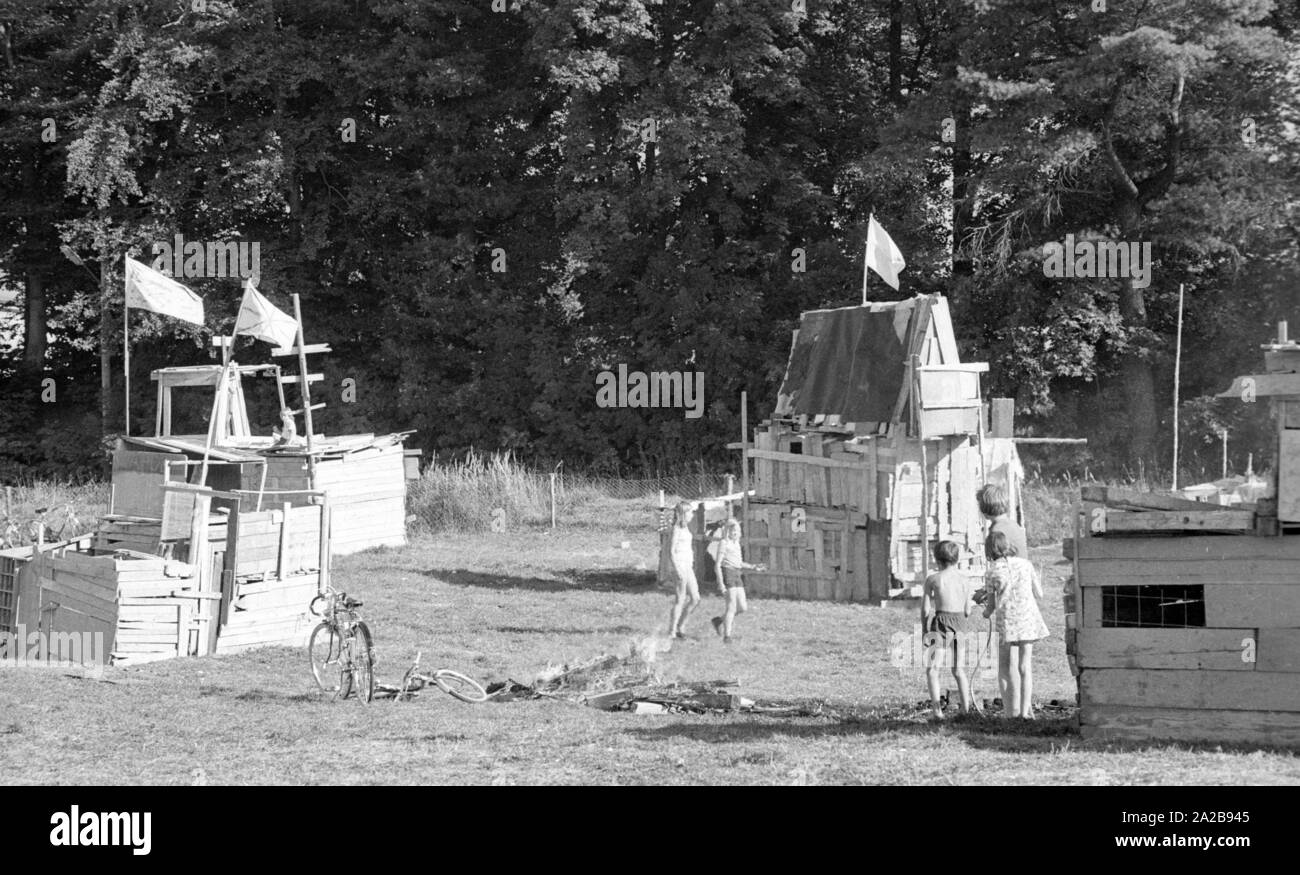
350	603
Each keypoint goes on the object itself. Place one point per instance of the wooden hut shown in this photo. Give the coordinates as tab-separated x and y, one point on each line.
876	420
1183	618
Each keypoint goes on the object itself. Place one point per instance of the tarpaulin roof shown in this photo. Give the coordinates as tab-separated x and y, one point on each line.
852	362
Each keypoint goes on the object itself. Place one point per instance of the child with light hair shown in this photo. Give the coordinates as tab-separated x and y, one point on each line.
728	566
681	550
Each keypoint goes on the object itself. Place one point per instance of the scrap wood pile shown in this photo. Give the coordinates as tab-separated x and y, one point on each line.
630	683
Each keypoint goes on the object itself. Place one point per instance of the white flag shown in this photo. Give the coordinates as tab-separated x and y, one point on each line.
882	255
259	318
147	289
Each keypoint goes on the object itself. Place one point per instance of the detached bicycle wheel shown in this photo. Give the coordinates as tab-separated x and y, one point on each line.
456	684
326	650
363	662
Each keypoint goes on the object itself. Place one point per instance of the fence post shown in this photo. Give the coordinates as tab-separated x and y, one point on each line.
9	502
731	487
552	500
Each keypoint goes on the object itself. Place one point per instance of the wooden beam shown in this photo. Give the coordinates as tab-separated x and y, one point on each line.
1124	722
293	379
1218	649
309	349
803	459
1120	496
1264	386
1179	520
1227	690
1190	548
198	490
1047	440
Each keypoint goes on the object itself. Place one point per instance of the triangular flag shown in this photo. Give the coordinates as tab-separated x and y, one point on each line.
882	255
259	318
147	289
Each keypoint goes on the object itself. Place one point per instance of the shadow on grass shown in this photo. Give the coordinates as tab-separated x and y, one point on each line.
593	579
556	630
987	733
268	696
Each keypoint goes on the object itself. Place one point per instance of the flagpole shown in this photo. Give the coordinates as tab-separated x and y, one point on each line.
866	257
1178	362
126	358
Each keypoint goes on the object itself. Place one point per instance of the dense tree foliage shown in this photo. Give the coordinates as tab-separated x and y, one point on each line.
482	205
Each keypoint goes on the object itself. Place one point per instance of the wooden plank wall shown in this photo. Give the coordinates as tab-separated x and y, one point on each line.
1236	680
367	493
876	480
270	612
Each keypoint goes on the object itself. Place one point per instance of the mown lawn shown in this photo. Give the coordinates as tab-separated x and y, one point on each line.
507	605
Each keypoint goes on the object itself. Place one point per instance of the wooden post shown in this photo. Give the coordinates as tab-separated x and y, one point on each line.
731	487
281	565
323	579
1224	435
915	404
1178	363
306	393
744	468
552	501
9	502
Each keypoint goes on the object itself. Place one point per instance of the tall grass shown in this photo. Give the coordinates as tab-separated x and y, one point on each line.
66	508
464	495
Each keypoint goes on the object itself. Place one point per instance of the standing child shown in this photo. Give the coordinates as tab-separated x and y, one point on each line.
681	551
728	566
945	605
1016	588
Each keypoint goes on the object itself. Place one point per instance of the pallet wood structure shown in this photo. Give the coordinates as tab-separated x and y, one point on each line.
219	542
877	418
1183	618
246	581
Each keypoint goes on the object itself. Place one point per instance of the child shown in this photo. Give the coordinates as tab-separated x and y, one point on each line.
945	606
728	565
1015	588
995	506
681	551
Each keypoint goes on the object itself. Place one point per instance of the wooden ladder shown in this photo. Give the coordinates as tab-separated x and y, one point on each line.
304	379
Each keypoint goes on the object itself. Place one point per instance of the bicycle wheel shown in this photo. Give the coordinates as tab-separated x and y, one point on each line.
326	651
463	688
363	662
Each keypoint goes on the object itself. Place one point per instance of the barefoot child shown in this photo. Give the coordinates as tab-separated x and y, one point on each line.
945	605
728	566
1016	588
682	552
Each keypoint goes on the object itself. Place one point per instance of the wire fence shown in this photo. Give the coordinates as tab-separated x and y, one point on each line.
691	486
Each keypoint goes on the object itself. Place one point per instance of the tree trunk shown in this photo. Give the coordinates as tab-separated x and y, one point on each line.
1135	367
896	51
34	322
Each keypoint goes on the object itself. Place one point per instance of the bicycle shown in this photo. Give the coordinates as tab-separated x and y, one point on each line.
451	682
341	647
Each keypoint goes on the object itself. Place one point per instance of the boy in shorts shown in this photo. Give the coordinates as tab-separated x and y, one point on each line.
728	566
945	605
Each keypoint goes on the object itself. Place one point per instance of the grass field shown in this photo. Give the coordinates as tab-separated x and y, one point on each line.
507	605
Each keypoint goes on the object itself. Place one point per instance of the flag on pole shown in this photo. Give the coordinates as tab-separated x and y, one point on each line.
882	255
261	319
147	289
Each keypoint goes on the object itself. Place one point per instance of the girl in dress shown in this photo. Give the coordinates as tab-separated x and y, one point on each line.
1015	587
